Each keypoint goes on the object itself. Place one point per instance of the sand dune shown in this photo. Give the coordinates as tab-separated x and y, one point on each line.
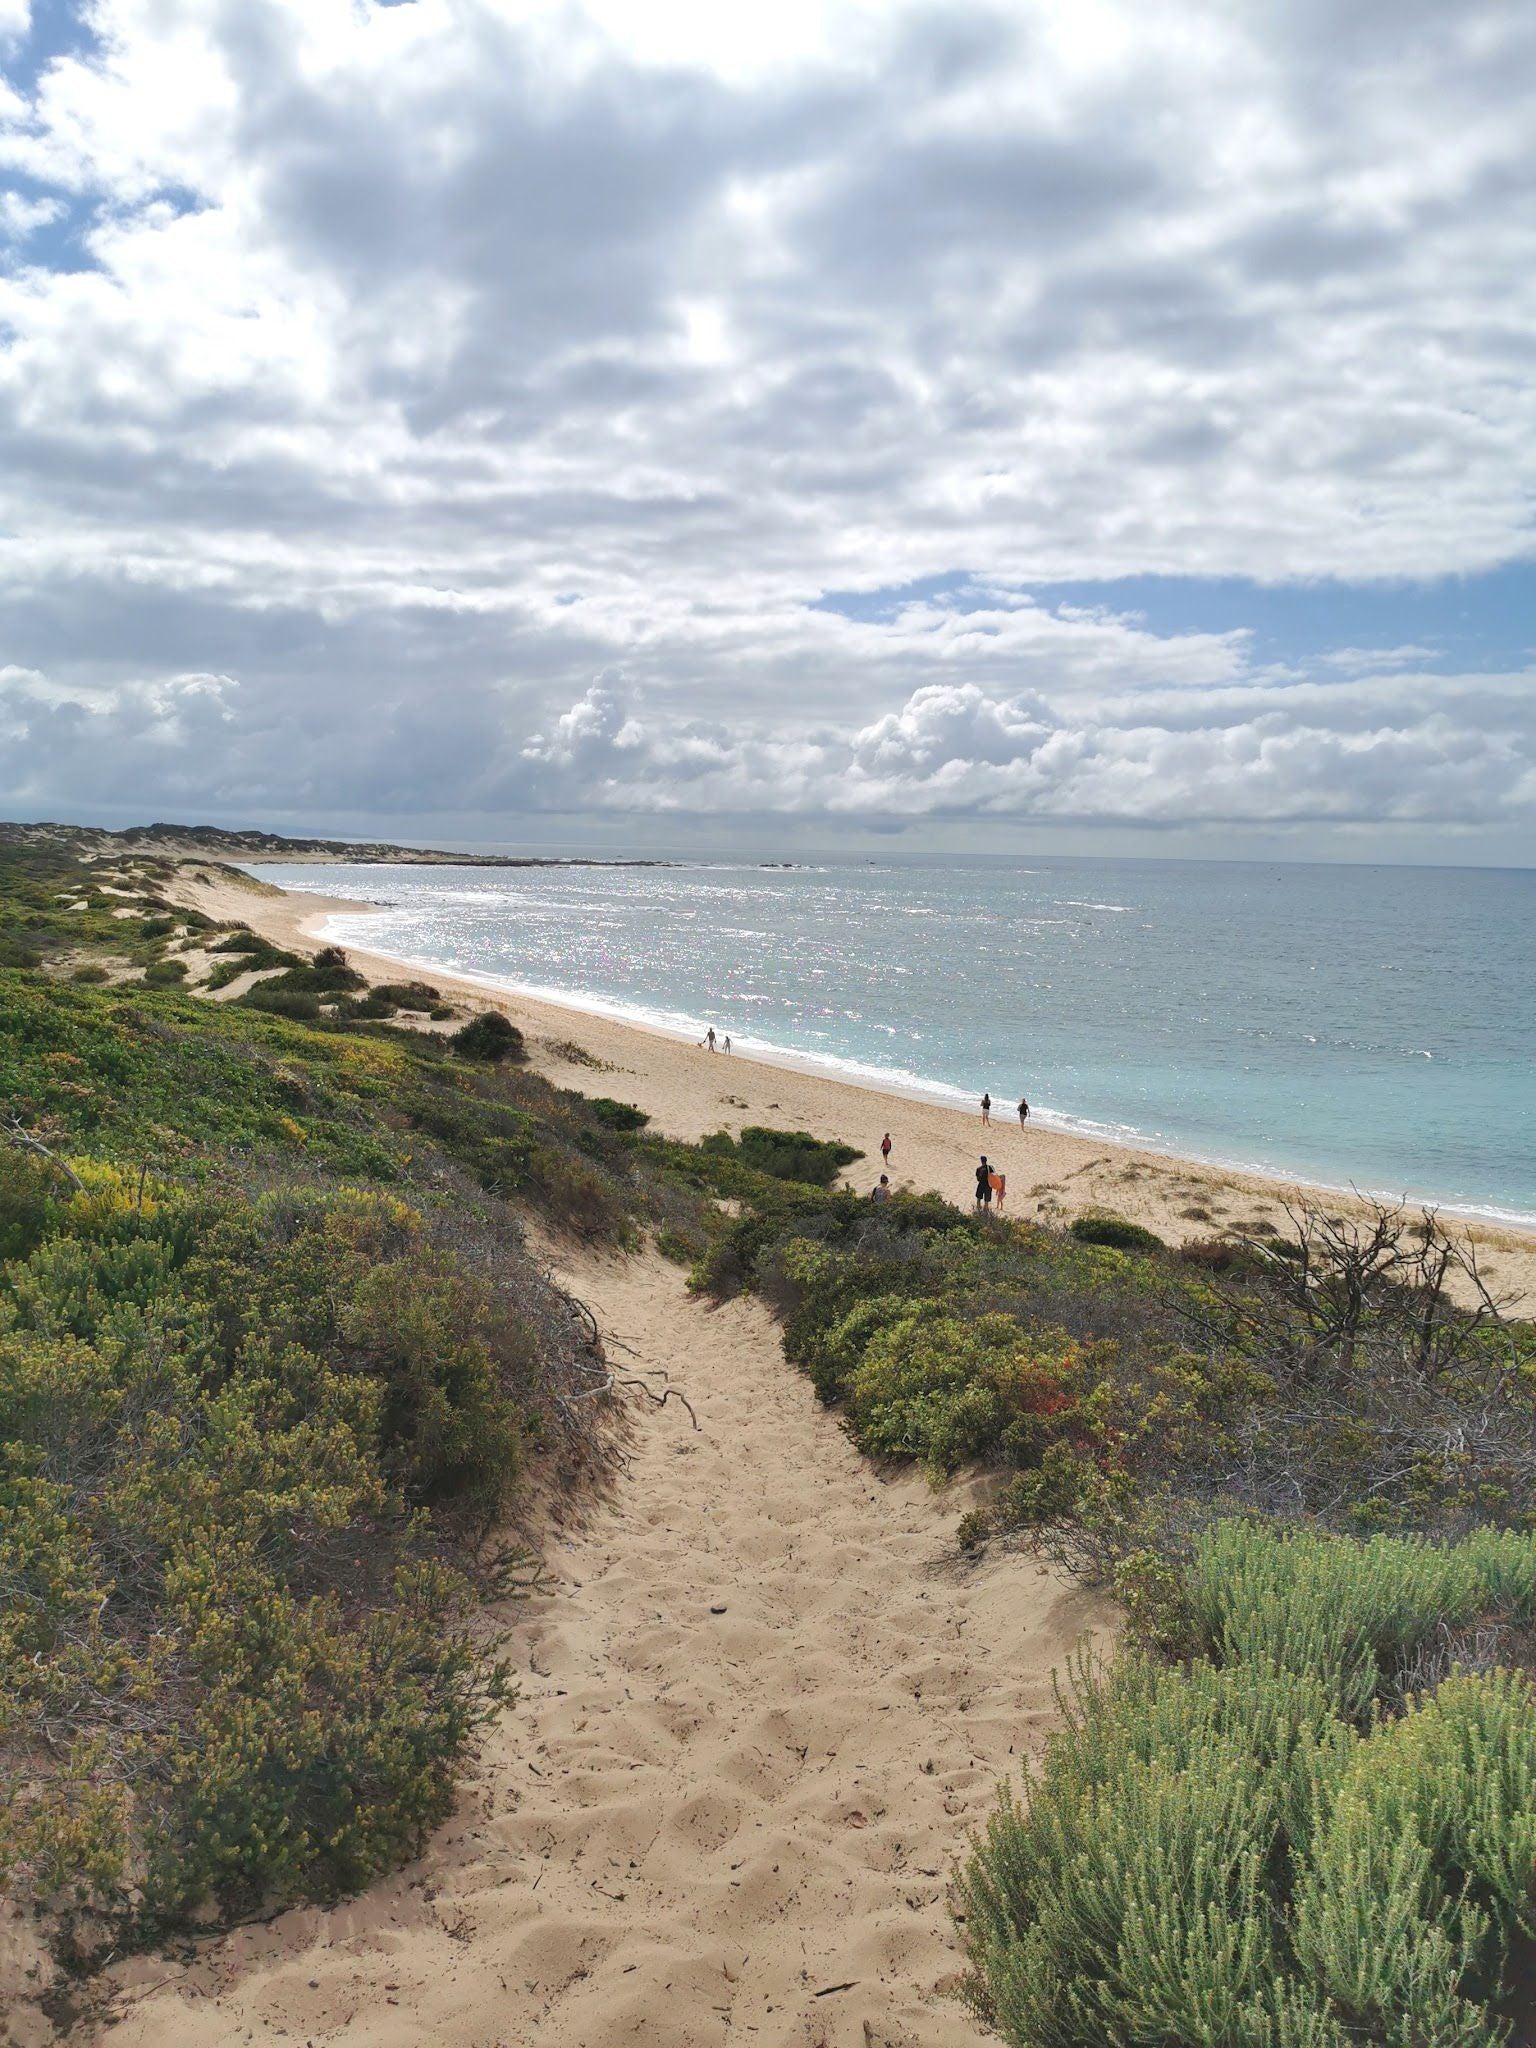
761	1712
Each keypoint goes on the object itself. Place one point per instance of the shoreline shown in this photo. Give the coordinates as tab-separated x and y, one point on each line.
1054	1171
908	1088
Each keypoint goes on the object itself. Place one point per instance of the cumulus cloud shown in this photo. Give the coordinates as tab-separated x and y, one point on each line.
408	367
953	751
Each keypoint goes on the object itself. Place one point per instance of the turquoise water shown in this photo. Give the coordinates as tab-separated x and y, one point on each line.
1353	1026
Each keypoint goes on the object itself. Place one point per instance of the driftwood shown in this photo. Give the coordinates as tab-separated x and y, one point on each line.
605	1378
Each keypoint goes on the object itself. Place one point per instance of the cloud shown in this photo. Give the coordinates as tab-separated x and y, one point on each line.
953	751
410	367
20	216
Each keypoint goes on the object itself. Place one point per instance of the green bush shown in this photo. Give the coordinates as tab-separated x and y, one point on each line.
784	1155
317	981
1347	1613
165	974
408	995
280	1002
490	1037
616	1116
1213	1856
947	1392
27	1186
215	1416
1114	1231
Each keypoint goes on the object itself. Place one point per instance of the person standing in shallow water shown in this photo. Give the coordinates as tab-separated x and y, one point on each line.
986	1109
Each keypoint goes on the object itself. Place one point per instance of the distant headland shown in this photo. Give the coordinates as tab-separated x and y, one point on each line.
214	842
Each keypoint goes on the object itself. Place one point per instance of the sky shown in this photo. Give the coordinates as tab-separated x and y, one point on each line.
1096	428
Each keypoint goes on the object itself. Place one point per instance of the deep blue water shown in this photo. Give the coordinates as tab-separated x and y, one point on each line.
1351	1025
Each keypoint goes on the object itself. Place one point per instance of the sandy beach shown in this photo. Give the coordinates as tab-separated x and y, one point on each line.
688	1091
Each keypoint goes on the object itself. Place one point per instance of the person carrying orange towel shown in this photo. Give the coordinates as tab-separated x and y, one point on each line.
999	1186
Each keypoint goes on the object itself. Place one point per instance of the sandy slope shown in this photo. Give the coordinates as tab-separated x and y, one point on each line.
698	1827
1054	1175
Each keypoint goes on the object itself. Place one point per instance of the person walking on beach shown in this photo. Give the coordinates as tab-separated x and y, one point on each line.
885	1148
1023	1111
986	1109
882	1193
726	1044
709	1038
984	1184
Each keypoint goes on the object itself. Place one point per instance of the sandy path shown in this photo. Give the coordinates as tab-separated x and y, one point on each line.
693	1823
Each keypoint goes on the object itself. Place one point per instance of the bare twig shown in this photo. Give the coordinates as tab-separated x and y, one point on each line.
18	1135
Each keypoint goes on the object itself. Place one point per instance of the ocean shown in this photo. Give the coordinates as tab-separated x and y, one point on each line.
1353	1026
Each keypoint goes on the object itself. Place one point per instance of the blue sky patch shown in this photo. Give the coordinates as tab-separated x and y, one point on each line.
1467	624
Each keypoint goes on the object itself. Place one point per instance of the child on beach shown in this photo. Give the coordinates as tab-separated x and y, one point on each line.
986	1109
999	1187
726	1043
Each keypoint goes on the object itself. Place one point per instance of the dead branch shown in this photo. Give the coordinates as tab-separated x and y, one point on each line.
18	1135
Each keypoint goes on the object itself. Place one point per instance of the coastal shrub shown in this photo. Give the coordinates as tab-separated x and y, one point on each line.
428	1333
90	974
408	995
27	1188
836	1305
790	1155
280	1002
311	978
1097	1227
617	1116
1349	1613
783	1155
948	1393
574	1195
1212	1855
215	1414
165	974
490	1037
1226	1255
